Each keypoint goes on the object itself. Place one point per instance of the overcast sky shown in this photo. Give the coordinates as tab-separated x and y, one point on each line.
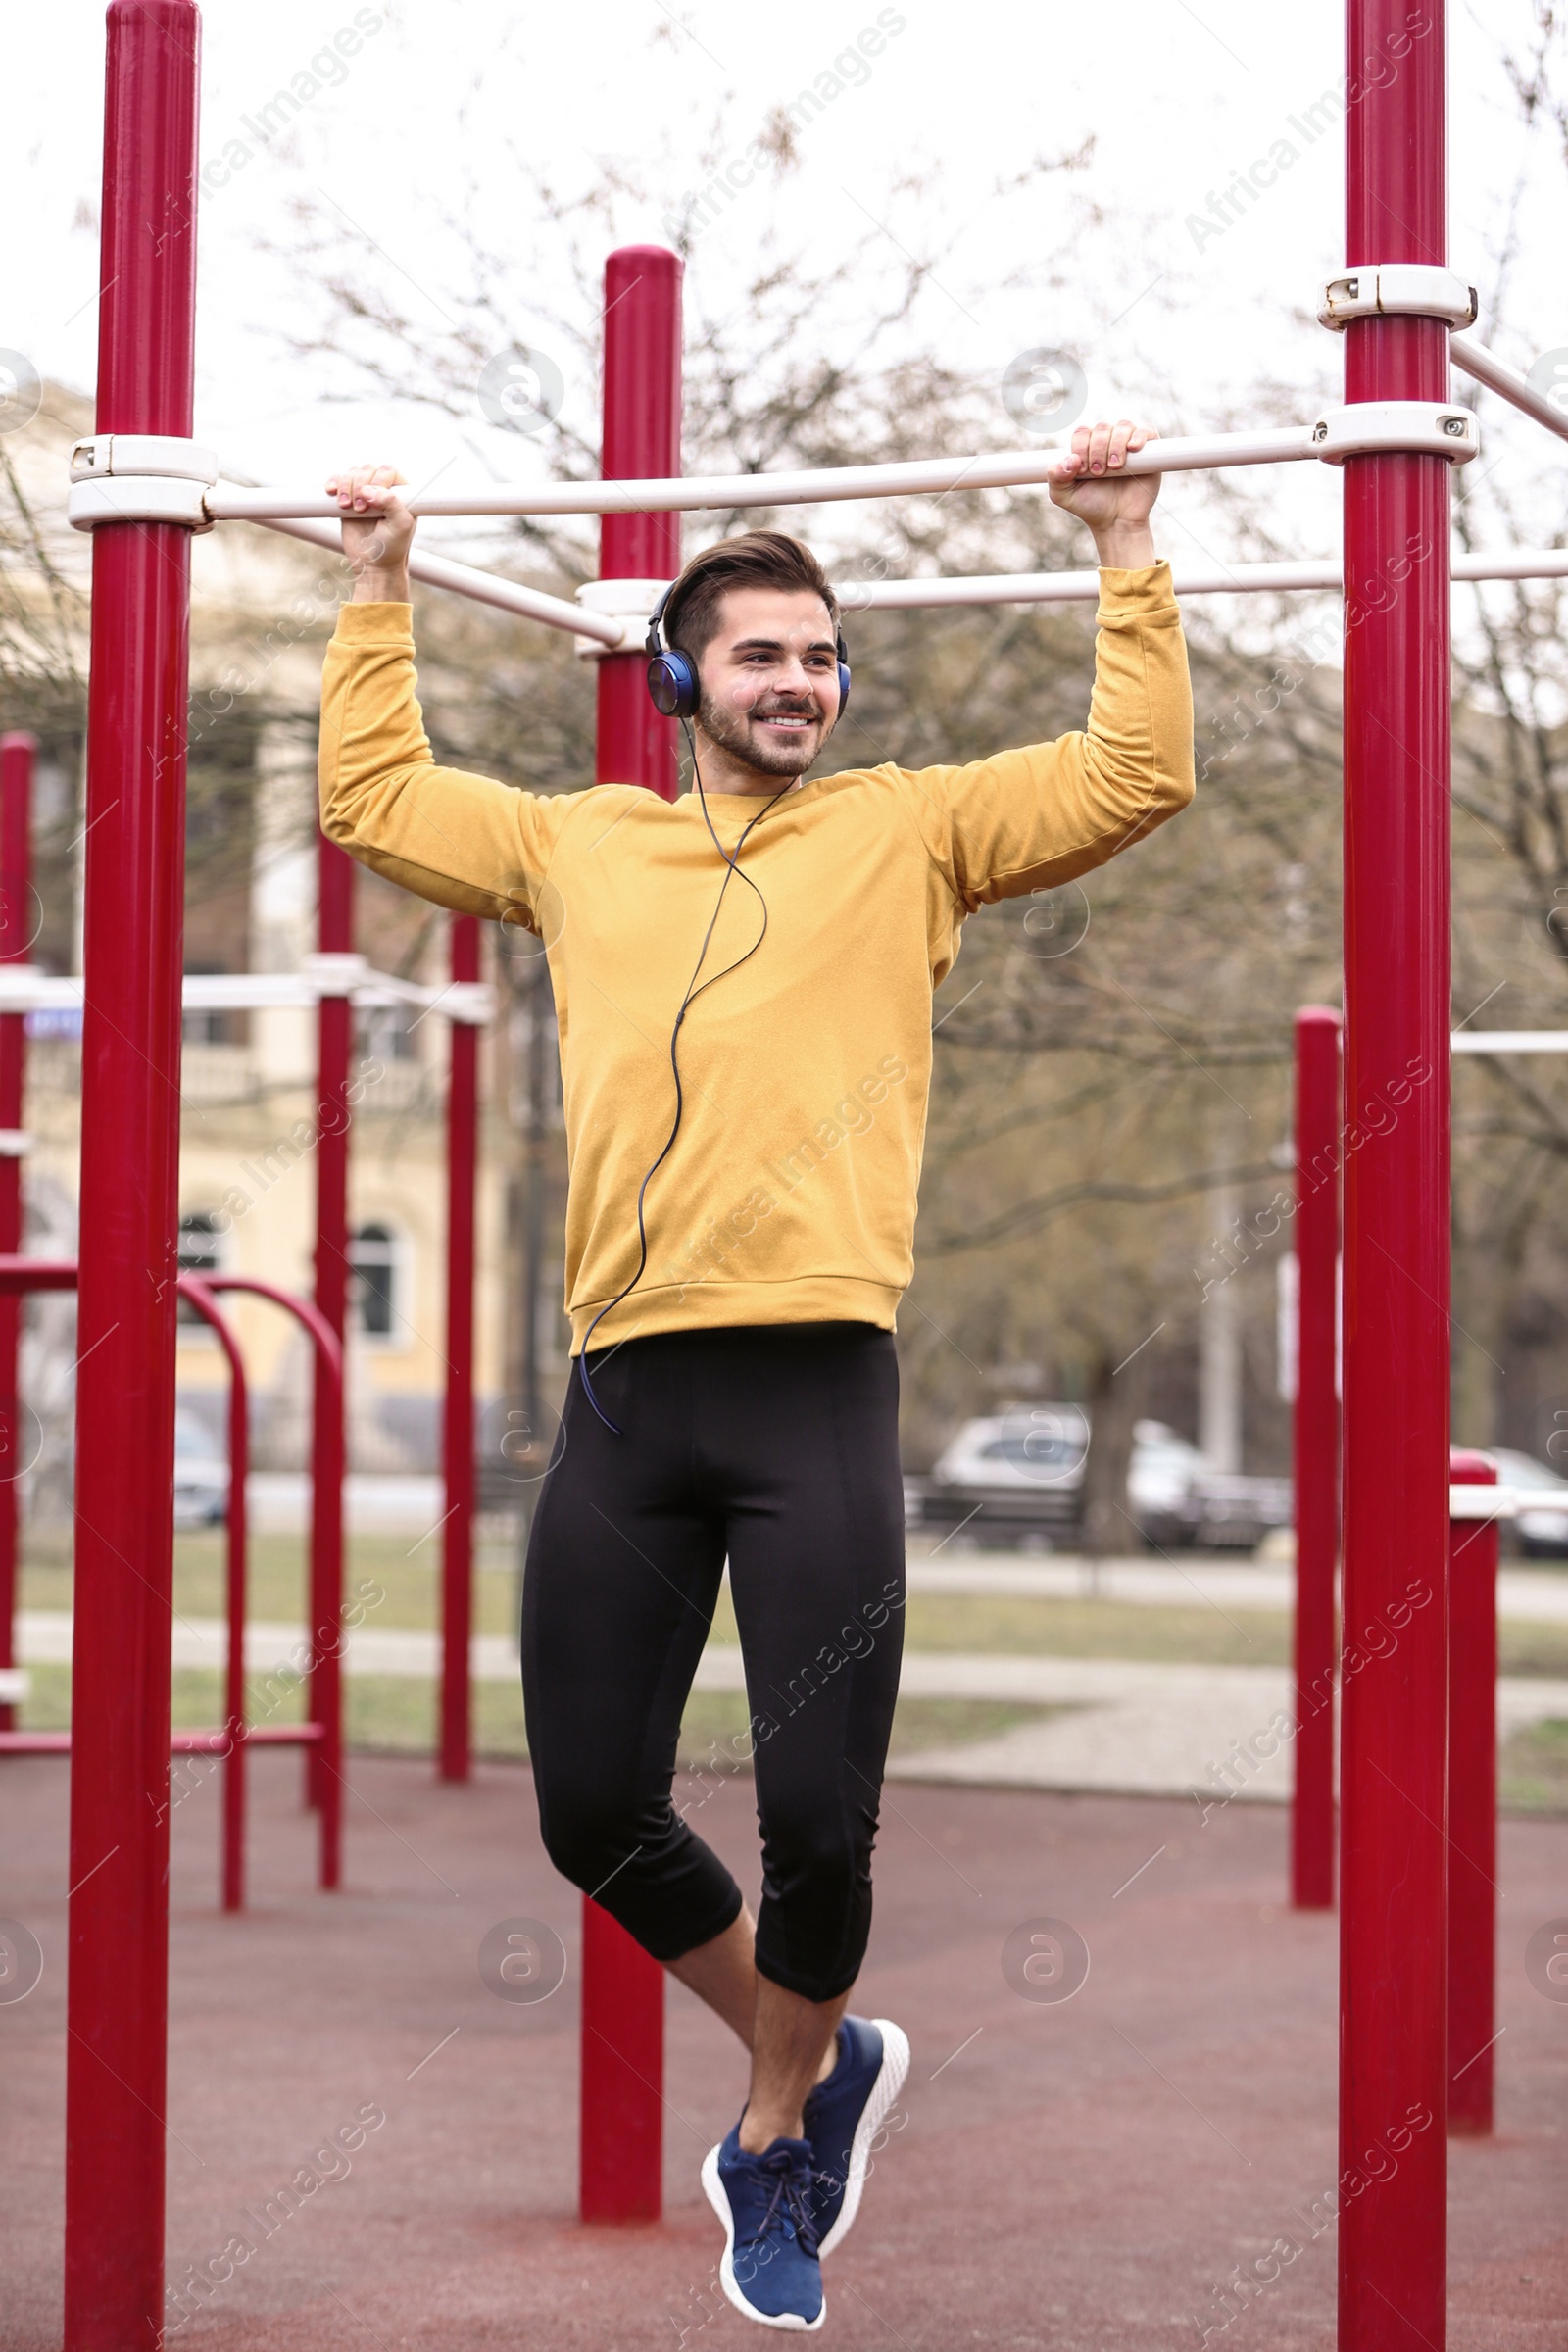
1162	308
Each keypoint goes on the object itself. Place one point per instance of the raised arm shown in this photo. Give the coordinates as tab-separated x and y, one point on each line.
464	840
1025	820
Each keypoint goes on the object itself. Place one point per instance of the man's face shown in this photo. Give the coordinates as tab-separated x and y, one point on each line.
770	679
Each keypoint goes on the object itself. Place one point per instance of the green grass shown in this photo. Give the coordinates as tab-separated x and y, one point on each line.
396	1714
1533	1770
406	1569
1525	1648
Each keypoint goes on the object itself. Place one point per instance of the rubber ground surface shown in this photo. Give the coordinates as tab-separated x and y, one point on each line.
1085	2174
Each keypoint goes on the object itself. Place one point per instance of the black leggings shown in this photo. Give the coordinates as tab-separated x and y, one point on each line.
776	1445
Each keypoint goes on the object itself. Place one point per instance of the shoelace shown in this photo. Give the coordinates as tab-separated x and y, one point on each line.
791	2190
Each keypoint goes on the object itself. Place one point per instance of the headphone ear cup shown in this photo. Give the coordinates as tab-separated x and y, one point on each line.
843	688
673	685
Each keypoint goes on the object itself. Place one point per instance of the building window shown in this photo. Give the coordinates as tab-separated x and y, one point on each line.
201	1252
374	1290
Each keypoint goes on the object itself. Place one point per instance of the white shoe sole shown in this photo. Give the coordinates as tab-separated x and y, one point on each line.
717	2197
884	2094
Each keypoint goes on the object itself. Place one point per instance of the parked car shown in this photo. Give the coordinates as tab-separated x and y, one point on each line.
1017	1476
1020	1469
201	1476
1178	1497
1540	1534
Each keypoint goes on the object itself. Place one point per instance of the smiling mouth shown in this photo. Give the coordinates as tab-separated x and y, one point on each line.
796	720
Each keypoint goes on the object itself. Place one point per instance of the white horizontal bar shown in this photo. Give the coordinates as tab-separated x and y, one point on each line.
1188	579
23	989
1075	587
1513	564
1487	368
615	634
468	579
1501	1502
1510	1041
996	470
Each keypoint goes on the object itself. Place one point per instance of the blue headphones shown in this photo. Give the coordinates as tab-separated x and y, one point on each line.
672	682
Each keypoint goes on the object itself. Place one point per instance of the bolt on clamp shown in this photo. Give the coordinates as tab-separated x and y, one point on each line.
1417	428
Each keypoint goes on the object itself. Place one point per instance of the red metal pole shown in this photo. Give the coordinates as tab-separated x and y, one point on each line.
1472	1805
119	1921
456	1559
335	936
16	929
1317	1449
641	431
1395	1665
622	2074
622	1987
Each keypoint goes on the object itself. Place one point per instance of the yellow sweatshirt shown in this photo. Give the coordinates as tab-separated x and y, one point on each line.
789	1196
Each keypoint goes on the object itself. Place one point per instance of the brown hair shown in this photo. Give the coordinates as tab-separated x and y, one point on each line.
755	559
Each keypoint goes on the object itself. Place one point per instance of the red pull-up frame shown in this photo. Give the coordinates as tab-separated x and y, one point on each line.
133	926
1393	2245
623	1989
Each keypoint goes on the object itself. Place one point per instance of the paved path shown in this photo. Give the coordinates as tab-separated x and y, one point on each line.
1132	1726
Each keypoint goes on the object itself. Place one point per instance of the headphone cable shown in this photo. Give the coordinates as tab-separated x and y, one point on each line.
693	992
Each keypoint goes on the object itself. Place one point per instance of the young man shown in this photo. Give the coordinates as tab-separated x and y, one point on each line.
743	985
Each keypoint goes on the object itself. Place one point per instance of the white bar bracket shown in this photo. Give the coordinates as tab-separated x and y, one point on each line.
138	498
630	602
1398	290
335	974
15	1142
140	477
1418	427
103	454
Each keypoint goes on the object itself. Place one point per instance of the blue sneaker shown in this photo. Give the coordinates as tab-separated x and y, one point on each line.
844	2114
769	2268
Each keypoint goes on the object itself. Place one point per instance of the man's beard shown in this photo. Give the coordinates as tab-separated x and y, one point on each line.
725	725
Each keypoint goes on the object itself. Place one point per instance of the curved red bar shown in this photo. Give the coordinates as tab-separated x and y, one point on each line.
1472	1806
324	1681
191	1286
324	1734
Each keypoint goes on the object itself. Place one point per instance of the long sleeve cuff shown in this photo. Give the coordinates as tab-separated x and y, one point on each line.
376	624
1135	595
